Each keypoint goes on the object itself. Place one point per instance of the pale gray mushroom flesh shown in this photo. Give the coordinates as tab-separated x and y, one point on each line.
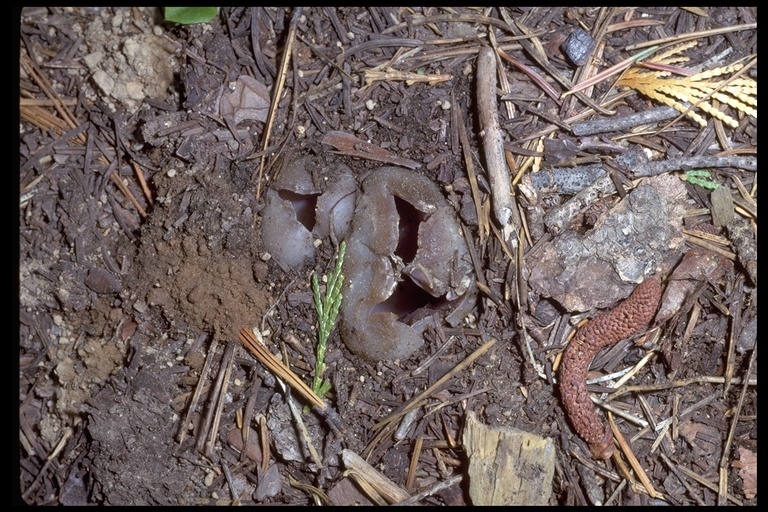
407	265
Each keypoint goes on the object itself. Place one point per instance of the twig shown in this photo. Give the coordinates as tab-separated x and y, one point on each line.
672	467
747	163
551	92
503	203
416	402
639	471
182	434
735	421
706	483
143	182
466	151
348	144
296	412
518	28
389	490
623	123
203	445
414	464
621	66
557	218
277	91
692	35
455	18
255	344
432	490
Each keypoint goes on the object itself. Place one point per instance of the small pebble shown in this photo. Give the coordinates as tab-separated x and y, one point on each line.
579	46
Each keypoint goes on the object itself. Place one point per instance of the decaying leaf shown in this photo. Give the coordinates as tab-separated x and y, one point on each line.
740	94
747	465
248	101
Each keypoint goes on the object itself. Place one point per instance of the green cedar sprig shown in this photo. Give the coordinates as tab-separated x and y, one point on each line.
701	178
327	307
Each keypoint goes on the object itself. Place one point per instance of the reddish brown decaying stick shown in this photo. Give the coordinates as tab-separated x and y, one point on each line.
604	330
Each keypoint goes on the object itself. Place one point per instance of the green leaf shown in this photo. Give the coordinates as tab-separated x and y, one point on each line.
190	15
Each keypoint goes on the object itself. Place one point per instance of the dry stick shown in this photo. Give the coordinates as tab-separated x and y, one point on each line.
598	32
208	418
49	461
43	102
536	55
250	406
414	464
630	455
543	84
503	203
557	218
319	496
747	163
127	192
69	118
692	35
623	123
610	71
482	222
277	92
31	68
460	18
433	489
143	182
706	483
416	402
734	422
182	434
254	343
389	490
264	438
229	355
714	248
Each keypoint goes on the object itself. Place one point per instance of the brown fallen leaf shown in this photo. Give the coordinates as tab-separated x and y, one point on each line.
747	465
697	265
248	101
348	144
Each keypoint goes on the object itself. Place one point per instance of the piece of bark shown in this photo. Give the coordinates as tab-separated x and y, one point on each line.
697	266
566	180
641	235
744	242
722	206
507	466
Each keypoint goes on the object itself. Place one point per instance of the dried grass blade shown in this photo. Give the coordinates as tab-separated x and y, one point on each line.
621	66
278	367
